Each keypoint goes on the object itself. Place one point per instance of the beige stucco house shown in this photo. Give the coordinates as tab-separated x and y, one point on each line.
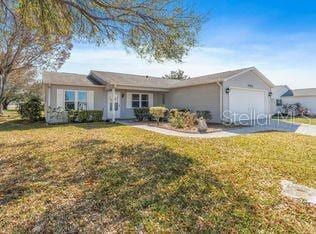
226	95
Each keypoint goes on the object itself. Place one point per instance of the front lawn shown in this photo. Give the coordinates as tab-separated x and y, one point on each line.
303	120
100	177
299	120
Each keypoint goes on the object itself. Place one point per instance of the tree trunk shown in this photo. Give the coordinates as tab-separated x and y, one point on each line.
1	109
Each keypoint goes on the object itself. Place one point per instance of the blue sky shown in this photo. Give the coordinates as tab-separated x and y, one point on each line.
278	37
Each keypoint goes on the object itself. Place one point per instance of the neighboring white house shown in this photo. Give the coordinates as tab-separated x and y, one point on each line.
227	95
284	95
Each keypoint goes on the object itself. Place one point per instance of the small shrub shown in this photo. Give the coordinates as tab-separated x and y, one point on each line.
189	119
173	112
176	120
205	114
141	113
184	110
179	119
83	116
158	113
31	109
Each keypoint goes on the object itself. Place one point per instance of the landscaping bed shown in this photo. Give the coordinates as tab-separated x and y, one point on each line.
211	127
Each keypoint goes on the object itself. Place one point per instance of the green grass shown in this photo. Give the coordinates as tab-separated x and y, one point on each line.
299	120
109	177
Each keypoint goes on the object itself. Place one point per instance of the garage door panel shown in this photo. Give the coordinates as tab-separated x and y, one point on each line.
244	102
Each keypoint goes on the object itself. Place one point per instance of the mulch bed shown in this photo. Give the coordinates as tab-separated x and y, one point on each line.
212	127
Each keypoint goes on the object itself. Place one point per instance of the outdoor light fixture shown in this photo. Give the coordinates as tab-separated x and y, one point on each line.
270	94
227	90
122	95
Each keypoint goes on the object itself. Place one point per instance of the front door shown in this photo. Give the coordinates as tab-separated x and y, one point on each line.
117	105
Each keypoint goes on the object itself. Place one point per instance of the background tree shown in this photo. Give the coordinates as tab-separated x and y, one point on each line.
23	49
176	75
155	29
21	85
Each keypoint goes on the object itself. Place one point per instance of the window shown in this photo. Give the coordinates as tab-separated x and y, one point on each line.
278	102
76	100
135	100
144	100
140	100
69	100
82	100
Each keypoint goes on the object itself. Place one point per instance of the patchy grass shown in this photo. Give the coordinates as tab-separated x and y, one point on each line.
303	120
9	115
108	177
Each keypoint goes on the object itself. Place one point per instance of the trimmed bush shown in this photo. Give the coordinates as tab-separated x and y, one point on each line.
158	113
176	119
141	113
31	109
205	114
83	116
189	119
182	119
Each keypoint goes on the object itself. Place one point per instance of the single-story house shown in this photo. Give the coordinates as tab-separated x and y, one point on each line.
282	95
226	95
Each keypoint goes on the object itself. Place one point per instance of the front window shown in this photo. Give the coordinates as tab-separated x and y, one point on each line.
135	100
70	100
82	100
140	100
144	100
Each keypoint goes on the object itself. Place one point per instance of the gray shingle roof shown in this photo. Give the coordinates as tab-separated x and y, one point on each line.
103	78
63	78
133	80
217	77
300	92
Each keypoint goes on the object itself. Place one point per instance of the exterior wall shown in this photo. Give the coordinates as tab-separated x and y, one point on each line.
201	97
277	92
128	113
308	102
244	81
99	95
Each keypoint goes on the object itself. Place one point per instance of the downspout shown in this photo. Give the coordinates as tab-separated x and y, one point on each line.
220	99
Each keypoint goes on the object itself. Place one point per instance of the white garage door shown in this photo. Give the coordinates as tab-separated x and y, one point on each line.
247	104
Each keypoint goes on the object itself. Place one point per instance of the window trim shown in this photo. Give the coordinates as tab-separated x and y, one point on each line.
139	99
76	97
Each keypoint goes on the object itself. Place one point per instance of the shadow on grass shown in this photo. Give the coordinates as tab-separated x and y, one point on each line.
145	188
22	125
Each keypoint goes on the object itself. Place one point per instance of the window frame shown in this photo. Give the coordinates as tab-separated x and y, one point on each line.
76	98
140	100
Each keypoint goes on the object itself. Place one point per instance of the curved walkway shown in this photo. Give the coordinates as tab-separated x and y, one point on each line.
273	125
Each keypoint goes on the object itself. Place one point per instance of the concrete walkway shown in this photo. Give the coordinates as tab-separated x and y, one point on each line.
273	125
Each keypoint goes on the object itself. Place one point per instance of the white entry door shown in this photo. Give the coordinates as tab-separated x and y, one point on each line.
247	104
117	105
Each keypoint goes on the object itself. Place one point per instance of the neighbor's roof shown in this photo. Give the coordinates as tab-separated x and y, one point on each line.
300	92
63	78
133	80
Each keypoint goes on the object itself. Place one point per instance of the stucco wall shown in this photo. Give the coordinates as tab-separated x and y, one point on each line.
244	81
308	102
202	97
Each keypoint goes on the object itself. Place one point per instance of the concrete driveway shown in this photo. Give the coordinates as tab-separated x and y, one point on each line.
272	125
